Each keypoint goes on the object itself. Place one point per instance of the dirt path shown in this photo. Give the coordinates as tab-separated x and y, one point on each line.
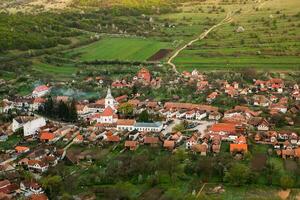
226	20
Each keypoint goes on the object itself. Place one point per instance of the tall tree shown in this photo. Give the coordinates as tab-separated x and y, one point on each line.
73	112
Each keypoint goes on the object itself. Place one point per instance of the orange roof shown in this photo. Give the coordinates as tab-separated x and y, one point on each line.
107	112
175	105
39	100
241	140
113	138
121	98
38	197
79	137
47	136
125	122
224	127
169	143
297	152
21	148
151	140
129	143
239	148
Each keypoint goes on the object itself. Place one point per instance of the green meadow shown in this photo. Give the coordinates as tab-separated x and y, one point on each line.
125	49
270	39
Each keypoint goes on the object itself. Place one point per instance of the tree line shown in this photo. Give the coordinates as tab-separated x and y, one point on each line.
65	111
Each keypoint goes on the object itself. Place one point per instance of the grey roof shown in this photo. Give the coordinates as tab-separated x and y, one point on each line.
148	124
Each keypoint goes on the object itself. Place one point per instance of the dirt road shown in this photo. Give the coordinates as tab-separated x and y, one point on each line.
226	20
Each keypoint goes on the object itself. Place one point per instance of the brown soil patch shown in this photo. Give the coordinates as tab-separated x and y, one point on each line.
284	194
160	55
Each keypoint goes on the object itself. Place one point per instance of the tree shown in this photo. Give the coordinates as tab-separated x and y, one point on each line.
63	110
49	107
52	184
126	109
278	120
286	182
144	116
238	174
73	112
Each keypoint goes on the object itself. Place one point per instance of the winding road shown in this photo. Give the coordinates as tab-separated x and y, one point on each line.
226	20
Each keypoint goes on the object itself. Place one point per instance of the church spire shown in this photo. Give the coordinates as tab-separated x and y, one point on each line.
108	95
109	100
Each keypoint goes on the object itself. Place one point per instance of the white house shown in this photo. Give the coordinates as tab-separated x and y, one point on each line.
148	126
38	166
263	125
29	124
40	91
200	114
125	124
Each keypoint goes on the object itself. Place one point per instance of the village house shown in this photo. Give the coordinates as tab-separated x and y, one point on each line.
131	145
22	149
148	126
144	75
200	114
261	100
40	91
214	116
227	131
125	124
239	146
30	188
191	141
169	144
200	148
152	141
29	124
37	166
211	97
47	137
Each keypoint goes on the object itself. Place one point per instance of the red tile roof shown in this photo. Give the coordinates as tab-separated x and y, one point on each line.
113	138
41	88
21	149
224	127
47	136
239	148
107	112
125	122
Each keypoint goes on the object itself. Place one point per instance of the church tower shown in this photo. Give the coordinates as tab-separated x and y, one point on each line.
109	100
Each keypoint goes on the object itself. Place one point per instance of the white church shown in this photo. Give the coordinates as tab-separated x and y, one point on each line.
108	116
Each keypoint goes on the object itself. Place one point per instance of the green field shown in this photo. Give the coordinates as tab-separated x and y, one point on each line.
270	39
125	49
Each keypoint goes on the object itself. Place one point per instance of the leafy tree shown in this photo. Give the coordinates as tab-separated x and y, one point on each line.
52	185
144	116
238	174
126	109
287	182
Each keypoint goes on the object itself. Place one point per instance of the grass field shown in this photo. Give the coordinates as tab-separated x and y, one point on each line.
57	72
125	49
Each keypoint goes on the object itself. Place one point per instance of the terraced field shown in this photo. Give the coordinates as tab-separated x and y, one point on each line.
268	39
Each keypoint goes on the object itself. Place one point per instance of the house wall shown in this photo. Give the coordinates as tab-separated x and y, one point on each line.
31	127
